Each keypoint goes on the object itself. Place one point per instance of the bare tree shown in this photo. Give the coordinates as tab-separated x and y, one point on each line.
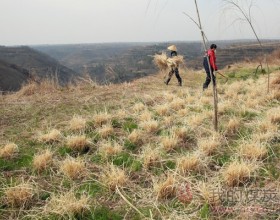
246	15
204	38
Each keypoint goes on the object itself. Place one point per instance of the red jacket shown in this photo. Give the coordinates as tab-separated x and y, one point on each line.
212	59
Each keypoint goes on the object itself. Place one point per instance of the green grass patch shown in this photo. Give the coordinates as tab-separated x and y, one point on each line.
129	145
123	159
220	160
90	189
104	213
116	123
248	115
170	165
129	125
204	211
136	166
97	159
63	151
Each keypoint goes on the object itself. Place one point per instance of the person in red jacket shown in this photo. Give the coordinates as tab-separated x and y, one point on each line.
213	67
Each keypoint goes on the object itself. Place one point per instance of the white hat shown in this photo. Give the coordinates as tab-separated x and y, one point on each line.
172	48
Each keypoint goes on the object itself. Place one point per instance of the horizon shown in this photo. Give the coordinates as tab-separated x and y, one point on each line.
142	42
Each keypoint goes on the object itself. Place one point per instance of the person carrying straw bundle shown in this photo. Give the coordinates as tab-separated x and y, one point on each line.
173	65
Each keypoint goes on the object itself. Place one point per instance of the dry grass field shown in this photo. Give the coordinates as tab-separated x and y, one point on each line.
142	150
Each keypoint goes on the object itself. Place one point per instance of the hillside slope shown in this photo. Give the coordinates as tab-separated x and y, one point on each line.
12	77
36	63
142	150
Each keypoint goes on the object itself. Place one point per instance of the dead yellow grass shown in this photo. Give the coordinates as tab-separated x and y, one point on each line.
121	114
73	168
168	121
77	123
170	97
253	150
208	193
43	161
113	176
162	110
182	133
151	156
138	107
145	116
45	86
233	126
191	162
225	106
165	189
195	120
53	136
136	136
206	100
20	195
183	112
238	172
67	204
209	145
150	126
108	149
78	142
169	143
275	94
105	131
177	104
274	115
9	151
101	119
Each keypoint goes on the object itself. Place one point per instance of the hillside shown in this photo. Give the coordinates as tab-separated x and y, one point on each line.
142	150
12	77
119	62
36	63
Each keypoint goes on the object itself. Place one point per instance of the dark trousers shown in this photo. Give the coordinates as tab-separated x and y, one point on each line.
208	80
170	74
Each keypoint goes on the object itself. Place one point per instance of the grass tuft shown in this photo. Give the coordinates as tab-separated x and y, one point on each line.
210	145
53	136
73	168
43	161
238	173
67	204
113	176
101	119
150	126
151	156
20	195
78	143
253	150
165	189
169	143
191	162
77	123
108	149
9	151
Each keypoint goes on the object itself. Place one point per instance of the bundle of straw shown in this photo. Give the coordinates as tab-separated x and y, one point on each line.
163	62
175	61
160	60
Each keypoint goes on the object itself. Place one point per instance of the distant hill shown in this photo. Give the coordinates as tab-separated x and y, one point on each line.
32	62
12	76
118	62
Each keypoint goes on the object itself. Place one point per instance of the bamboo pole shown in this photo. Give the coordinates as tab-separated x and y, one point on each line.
215	95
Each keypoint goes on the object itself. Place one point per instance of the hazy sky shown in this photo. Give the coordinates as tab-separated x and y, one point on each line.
24	22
